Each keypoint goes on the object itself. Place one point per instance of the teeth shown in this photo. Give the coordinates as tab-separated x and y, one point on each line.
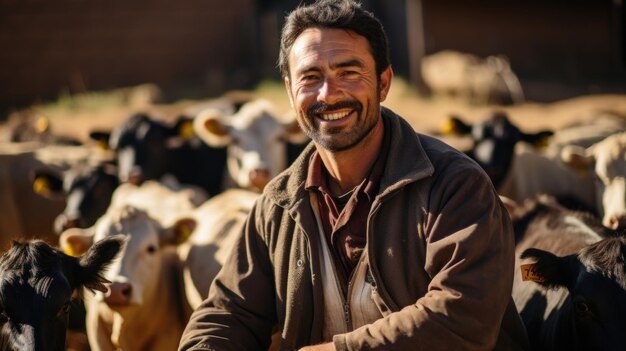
334	116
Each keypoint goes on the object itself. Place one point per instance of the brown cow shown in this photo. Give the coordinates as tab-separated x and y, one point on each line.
577	299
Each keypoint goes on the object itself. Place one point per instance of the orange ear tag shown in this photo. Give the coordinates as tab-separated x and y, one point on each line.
41	186
186	131
530	274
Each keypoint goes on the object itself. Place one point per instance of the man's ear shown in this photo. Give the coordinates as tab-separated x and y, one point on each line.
288	88
385	82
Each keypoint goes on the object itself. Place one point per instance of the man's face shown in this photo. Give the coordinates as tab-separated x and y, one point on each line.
333	87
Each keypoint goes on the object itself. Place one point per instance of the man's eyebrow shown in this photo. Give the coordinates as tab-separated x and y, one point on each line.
350	63
343	64
308	69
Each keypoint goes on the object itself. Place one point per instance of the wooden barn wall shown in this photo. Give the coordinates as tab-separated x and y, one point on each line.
575	45
75	45
47	47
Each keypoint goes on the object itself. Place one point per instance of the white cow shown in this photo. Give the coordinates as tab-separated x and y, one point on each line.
592	176
145	308
218	223
606	162
477	80
257	141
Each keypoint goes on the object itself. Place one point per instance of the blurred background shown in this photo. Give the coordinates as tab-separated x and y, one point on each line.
198	48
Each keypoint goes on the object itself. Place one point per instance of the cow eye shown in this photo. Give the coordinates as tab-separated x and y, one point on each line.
151	249
582	307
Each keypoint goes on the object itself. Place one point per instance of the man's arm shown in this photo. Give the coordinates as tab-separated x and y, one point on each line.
470	257
239	312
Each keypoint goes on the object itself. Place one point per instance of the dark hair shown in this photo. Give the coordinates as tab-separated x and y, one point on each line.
342	14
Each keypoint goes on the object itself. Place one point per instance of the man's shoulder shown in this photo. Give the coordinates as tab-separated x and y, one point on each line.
446	158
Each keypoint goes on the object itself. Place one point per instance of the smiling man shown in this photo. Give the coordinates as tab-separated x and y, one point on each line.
377	237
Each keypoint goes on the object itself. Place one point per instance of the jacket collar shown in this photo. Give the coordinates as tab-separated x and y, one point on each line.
407	162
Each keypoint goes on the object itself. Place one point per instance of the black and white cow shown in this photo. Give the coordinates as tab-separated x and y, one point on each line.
86	189
147	149
37	283
494	141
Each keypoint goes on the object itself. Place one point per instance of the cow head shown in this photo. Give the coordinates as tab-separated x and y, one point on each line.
593	317
607	161
256	139
494	142
87	191
135	274
142	145
37	283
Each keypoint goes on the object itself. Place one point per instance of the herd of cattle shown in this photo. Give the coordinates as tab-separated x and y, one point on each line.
155	213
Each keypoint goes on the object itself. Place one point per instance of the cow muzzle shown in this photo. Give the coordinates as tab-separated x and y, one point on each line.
259	178
617	222
119	294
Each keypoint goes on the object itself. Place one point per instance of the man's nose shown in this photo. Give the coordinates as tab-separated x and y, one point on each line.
330	92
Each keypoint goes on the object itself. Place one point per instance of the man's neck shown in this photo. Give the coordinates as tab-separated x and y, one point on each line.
348	168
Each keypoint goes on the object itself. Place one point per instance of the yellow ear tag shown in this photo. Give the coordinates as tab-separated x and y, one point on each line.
542	143
184	232
69	250
41	186
103	145
186	130
42	124
448	127
530	274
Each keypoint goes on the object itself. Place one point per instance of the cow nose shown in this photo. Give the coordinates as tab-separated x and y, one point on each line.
71	223
259	178
119	294
617	222
136	178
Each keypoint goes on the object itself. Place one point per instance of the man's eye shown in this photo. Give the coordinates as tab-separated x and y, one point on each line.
309	77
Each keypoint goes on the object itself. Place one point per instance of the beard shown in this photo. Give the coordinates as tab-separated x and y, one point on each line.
339	139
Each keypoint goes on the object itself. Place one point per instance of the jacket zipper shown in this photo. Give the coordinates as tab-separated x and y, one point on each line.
347	299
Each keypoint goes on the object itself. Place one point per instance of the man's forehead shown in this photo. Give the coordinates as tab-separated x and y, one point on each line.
314	44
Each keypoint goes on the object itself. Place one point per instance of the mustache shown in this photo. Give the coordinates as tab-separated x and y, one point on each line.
320	107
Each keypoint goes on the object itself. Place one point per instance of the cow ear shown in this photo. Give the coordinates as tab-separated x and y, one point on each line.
42	124
539	139
549	270
455	126
577	157
47	183
210	128
97	259
179	232
102	138
76	241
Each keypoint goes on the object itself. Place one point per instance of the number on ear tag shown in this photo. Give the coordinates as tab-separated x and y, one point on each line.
530	274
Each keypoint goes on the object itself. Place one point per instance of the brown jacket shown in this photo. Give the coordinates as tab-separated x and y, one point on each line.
440	247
